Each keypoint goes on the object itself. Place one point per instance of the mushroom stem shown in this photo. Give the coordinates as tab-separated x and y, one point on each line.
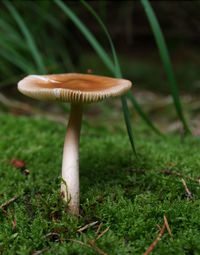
70	163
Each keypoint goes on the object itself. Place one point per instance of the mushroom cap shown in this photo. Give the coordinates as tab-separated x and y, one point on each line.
72	87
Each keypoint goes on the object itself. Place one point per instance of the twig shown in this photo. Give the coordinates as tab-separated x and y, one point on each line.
96	248
40	251
8	202
98	229
28	207
87	226
168	228
159	228
76	241
166	171
187	190
13	221
51	234
102	233
156	240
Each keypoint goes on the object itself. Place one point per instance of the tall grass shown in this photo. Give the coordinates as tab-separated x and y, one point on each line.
114	67
162	47
27	36
21	48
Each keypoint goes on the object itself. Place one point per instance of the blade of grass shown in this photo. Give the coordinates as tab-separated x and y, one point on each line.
117	73
17	60
10	32
30	41
98	48
162	47
111	66
117	70
141	113
128	123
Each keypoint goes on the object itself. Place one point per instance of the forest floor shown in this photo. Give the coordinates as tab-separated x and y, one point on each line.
126	201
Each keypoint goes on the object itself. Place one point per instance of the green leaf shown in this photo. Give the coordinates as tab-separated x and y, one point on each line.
141	113
114	68
117	73
160	41
128	123
16	59
117	70
97	47
29	39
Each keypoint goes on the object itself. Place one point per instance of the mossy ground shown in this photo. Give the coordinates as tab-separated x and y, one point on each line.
126	195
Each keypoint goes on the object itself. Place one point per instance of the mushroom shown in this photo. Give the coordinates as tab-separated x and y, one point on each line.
76	89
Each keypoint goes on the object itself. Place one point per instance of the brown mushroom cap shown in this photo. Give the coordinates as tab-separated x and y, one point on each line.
72	87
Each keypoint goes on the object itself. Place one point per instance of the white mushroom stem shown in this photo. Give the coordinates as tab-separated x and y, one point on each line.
70	163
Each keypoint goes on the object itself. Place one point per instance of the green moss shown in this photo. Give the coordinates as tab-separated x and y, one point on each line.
128	196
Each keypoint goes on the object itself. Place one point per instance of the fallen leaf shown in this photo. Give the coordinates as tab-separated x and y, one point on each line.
18	163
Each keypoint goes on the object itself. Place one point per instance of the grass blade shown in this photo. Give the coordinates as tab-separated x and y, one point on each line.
117	69
97	47
141	113
128	123
30	41
110	65
117	73
160	41
17	60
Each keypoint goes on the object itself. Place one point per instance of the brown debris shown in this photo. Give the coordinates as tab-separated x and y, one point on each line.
92	242
13	221
27	172
166	171
76	241
168	228
102	233
14	224
155	241
89	71
87	226
96	248
18	163
98	229
40	251
28	207
159	228
187	190
86	245
8	202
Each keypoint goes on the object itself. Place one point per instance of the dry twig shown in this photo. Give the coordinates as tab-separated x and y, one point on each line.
168	228
76	241
159	228
40	251
87	226
187	190
96	248
8	202
156	240
102	233
166	171
98	229
86	245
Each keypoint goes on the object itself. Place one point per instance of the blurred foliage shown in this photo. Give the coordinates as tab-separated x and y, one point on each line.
38	36
63	49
